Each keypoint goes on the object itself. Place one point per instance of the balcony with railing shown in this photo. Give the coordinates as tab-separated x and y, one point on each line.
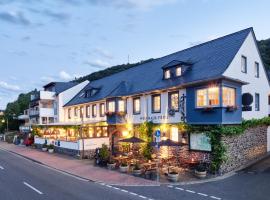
42	95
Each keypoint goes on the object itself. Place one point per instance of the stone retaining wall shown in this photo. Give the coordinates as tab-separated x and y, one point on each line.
245	148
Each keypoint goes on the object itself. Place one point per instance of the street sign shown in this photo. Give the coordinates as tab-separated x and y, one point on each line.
157	133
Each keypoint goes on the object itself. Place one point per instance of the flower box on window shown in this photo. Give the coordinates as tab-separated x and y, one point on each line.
208	109
121	113
109	113
231	108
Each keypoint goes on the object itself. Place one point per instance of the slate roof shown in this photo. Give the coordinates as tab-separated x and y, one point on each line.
61	86
209	60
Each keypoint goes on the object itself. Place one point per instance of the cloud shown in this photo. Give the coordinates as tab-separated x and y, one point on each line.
26	38
17	18
103	53
10	87
97	64
132	4
47	79
18	53
58	16
65	76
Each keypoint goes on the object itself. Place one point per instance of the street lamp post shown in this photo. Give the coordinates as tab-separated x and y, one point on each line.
82	138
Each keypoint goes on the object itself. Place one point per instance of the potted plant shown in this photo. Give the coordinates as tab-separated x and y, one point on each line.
200	171
111	164
137	170
44	147
51	148
123	167
173	176
104	155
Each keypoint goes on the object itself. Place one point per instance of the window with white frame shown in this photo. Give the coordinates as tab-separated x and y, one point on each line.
257	70
94	110
156	103
207	97
228	96
167	74
81	112
87	111
137	105
102	110
69	113
111	106
257	102
244	64
75	112
121	105
178	71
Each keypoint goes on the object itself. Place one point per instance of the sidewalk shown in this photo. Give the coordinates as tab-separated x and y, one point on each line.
80	168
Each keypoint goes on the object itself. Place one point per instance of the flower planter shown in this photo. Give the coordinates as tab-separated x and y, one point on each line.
51	150
173	177
111	165
200	174
123	169
137	172
44	149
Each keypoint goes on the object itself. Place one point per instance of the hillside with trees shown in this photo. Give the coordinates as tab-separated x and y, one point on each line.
264	47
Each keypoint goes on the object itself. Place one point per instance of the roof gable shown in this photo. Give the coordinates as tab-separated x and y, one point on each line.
209	60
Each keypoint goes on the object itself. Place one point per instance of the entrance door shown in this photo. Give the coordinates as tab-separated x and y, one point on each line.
268	139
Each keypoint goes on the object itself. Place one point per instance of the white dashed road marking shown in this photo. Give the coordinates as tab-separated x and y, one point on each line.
125	191
193	192
33	188
202	194
213	197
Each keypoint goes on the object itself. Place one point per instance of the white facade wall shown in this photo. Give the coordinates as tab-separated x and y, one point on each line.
85	119
256	85
146	111
65	97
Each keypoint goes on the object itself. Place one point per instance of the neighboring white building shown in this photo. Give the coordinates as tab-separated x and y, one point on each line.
46	105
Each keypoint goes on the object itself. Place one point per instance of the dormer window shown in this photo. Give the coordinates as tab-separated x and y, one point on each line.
178	71
167	74
91	92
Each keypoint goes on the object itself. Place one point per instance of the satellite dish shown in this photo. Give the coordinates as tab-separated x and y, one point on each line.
247	99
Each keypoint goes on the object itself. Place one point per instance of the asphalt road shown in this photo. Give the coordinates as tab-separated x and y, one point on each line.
21	179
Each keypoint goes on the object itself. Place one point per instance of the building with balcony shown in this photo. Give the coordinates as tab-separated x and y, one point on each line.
45	105
217	82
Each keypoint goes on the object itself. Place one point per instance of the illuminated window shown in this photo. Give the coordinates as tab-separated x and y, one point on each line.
178	71
174	134
137	105
167	74
257	70
94	110
105	131
91	132
121	106
102	110
111	106
156	103
207	97
244	64
98	132
228	96
174	101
